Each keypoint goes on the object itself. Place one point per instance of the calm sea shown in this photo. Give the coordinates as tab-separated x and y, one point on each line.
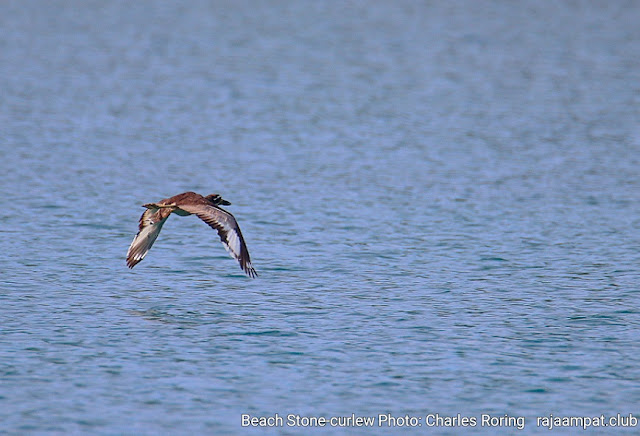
442	200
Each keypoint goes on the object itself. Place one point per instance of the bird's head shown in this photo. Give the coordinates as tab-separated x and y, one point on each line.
216	200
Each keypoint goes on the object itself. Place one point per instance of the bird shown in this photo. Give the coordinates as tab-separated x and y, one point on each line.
189	203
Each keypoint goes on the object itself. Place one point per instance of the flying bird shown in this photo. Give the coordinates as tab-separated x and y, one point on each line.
189	203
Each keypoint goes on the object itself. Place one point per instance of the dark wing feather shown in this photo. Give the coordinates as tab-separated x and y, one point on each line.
151	223
228	230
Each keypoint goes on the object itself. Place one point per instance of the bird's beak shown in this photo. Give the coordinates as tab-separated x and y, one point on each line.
225	203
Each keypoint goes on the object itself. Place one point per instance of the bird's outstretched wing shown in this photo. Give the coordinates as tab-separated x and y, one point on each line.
151	223
228	230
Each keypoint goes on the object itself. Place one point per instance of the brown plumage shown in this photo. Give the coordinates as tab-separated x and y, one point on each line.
189	203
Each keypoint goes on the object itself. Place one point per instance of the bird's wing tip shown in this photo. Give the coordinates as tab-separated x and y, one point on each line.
250	271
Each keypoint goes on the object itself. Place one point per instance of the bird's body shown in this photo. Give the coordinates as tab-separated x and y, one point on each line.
189	203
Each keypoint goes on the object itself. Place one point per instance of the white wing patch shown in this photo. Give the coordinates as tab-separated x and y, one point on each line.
232	244
150	226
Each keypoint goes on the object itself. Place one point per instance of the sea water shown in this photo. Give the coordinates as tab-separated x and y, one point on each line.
441	199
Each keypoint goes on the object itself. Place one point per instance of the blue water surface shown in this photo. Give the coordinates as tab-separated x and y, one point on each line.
442	200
